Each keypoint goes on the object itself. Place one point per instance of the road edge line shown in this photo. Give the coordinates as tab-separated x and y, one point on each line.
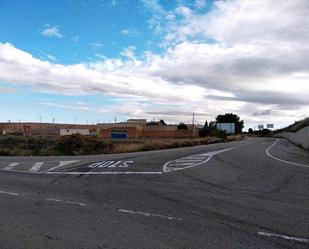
282	160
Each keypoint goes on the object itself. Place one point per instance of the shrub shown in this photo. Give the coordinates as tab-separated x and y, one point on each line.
182	126
69	145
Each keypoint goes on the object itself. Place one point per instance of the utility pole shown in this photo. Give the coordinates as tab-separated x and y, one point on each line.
193	125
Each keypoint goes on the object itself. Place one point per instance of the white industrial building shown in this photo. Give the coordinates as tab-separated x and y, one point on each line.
67	132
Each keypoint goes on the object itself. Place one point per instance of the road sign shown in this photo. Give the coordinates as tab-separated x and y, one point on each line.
27	130
260	126
270	125
226	127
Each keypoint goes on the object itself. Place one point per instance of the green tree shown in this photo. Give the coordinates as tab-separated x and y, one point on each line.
231	118
212	125
162	122
182	126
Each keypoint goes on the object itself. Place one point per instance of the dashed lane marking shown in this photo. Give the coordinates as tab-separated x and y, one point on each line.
149	214
11	166
302	240
61	164
8	193
66	202
36	167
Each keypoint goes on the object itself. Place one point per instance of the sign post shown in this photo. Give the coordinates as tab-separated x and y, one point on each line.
260	127
27	130
270	126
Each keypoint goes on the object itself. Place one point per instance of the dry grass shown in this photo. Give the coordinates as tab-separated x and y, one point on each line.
159	144
79	145
296	126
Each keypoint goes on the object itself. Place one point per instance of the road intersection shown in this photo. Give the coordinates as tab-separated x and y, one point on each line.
228	195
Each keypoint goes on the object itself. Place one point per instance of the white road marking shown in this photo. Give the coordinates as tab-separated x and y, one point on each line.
281	160
110	164
36	167
8	193
149	214
107	173
284	237
192	161
11	166
67	202
61	164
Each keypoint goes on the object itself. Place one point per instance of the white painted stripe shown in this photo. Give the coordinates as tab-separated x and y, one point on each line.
53	199
168	167
303	240
187	167
190	160
74	202
107	173
149	214
61	164
8	193
11	166
281	160
22	171
182	164
36	167
67	202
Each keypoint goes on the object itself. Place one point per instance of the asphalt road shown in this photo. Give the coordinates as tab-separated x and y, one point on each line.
248	194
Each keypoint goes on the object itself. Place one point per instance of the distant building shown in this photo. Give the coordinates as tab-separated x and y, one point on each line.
68	132
42	129
226	127
137	121
139	128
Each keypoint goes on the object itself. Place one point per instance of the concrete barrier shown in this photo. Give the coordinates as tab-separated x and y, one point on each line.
300	137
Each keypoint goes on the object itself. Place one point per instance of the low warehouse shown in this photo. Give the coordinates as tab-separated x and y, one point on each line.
139	128
43	129
67	132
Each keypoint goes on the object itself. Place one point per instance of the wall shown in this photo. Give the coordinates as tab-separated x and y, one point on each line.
132	132
65	132
300	137
148	131
41	128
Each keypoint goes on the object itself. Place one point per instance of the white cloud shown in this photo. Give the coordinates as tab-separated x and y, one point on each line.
130	32
75	38
7	90
200	3
184	11
79	106
236	58
97	44
248	22
160	18
51	31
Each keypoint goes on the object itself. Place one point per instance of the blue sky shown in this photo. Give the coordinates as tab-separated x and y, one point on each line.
96	60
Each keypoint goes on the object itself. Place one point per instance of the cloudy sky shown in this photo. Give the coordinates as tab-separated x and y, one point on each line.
92	61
